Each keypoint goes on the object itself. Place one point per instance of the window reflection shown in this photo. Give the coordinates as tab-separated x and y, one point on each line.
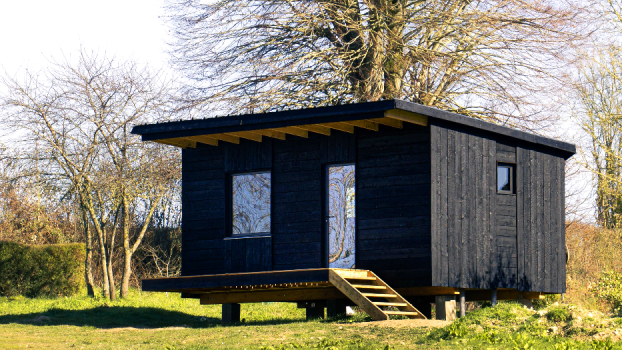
251	203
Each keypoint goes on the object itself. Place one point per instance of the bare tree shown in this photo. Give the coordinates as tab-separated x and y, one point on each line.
485	58
78	115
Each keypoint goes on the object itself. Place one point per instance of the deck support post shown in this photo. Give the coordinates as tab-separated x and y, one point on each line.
446	307
230	313
336	308
315	312
493	297
462	302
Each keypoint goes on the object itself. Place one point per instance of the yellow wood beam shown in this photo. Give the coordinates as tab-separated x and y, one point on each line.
293	294
315	128
204	139
365	124
394	123
406	116
270	133
340	126
225	137
246	135
293	131
178	142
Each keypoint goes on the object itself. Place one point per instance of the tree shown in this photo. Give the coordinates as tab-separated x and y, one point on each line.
78	116
484	58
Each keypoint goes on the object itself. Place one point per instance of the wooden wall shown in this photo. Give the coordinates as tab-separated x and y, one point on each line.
393	205
482	239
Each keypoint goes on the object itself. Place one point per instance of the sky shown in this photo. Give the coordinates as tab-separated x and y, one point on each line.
34	31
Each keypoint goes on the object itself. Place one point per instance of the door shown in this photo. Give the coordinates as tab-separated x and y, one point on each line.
340	216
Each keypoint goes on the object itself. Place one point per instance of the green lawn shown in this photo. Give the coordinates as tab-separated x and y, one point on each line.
155	320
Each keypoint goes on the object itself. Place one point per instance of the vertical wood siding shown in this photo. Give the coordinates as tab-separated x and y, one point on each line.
506	249
393	204
541	264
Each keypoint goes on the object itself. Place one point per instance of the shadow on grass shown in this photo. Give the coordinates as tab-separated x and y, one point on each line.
119	316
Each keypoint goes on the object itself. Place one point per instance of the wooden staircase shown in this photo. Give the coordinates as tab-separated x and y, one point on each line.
371	294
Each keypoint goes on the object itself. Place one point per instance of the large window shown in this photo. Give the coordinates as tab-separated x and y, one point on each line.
505	178
250	197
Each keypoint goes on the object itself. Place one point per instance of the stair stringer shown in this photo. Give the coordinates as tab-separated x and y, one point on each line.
338	277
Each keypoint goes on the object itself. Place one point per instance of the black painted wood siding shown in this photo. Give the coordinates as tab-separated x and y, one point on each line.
393	205
482	239
463	208
541	221
505	217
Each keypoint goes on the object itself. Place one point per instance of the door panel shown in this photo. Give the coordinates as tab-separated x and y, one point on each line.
341	216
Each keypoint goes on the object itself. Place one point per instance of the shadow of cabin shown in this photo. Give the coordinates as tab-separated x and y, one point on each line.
443	208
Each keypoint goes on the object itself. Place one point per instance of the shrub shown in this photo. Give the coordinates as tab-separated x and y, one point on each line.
609	288
31	271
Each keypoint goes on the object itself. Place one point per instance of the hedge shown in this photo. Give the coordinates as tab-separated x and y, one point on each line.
32	271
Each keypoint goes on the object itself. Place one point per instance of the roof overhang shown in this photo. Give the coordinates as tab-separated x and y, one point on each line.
322	120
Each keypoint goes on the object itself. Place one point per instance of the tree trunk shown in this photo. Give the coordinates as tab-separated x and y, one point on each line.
88	259
127	251
113	292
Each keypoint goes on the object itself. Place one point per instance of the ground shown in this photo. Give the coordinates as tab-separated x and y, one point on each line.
161	321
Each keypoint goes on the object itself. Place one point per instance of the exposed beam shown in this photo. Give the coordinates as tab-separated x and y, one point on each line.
340	126
178	142
395	123
406	116
246	135
315	128
292	294
204	139
293	131
225	137
270	133
365	124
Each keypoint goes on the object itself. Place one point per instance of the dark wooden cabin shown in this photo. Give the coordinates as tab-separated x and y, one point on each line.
436	204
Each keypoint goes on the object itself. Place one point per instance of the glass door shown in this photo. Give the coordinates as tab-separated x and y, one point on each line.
341	216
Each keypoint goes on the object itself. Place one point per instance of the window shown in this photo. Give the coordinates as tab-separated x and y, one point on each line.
505	178
250	199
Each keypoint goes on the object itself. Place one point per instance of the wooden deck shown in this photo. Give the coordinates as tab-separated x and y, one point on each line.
291	286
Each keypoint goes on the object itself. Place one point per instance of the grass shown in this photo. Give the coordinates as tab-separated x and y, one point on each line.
160	321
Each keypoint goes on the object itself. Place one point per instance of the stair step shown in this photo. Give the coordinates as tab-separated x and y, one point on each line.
368	286
377	295
384	303
361	278
405	313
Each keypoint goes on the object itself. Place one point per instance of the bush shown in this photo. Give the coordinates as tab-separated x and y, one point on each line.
609	288
31	271
558	314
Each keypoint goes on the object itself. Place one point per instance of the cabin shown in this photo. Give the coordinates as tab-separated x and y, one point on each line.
389	205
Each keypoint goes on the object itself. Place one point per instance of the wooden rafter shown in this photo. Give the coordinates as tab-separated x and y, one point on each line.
315	128
270	133
395	123
204	139
365	124
293	131
225	137
340	126
178	142
406	116
246	135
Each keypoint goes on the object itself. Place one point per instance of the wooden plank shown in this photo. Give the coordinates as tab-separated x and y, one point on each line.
394	123
521	189
427	291
227	138
444	197
452	178
178	142
245	135
464	196
364	124
546	222
480	175
270	133
472	212
493	211
340	126
292	294
353	294
293	131
533	193
406	116
318	129
539	221
204	139
562	226
435	200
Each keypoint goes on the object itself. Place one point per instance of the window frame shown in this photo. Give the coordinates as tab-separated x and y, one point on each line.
512	178
229	203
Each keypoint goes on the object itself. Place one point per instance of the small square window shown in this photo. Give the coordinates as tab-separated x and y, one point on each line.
505	178
250	197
